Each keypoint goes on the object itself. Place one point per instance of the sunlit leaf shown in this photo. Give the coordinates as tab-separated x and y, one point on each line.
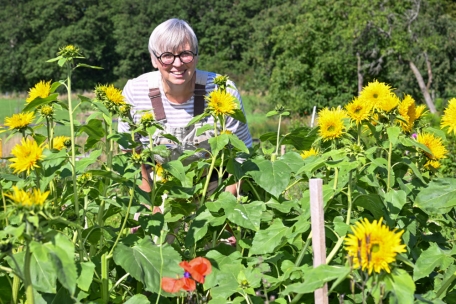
271	176
431	258
315	278
147	262
267	240
439	197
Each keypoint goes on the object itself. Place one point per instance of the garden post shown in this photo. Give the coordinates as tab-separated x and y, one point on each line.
318	233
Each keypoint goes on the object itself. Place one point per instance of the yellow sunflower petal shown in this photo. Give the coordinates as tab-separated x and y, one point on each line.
359	110
42	89
19	121
407	110
373	246
331	123
434	143
308	153
221	103
27	155
449	117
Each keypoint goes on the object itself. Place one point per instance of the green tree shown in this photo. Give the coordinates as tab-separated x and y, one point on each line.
313	65
405	43
34	31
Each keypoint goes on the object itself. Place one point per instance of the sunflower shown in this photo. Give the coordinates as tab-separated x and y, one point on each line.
41	89
358	110
432	165
221	80
308	153
59	142
27	155
449	117
372	246
221	102
47	111
26	199
434	144
147	119
408	112
69	52
388	104
375	93
113	94
19	197
331	123
19	121
38	198
419	111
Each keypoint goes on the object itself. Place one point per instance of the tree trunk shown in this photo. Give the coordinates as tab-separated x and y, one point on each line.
424	89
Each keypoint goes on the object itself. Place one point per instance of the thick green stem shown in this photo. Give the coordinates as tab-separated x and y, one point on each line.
390	152
124	223
15	289
253	189
221	171
73	162
206	185
161	264
4	204
105	278
278	135
336	178
359	134
303	251
108	153
27	277
445	285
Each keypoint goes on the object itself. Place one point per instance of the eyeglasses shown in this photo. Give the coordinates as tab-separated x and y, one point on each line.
168	58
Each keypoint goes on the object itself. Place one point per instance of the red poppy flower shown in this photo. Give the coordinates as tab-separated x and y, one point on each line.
174	285
198	268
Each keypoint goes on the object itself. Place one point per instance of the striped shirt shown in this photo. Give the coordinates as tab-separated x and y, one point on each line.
136	93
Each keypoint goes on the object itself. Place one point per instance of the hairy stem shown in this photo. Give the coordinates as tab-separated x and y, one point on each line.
390	152
73	161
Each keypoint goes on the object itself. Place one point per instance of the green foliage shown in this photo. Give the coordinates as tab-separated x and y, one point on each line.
298	53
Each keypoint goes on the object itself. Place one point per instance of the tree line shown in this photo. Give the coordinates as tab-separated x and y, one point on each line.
297	53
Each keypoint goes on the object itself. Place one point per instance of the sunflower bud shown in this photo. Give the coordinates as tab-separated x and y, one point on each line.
124	110
84	178
221	80
47	111
67	143
69	52
147	119
136	158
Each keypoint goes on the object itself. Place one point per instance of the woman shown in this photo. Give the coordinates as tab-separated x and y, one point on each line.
176	92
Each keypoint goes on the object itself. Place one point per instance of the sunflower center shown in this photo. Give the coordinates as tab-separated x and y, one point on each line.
375	248
375	95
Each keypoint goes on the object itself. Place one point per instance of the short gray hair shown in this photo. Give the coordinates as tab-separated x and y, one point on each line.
171	35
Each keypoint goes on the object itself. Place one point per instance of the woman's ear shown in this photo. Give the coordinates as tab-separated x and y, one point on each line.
154	61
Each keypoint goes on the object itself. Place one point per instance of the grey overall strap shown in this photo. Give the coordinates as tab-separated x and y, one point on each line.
157	104
198	104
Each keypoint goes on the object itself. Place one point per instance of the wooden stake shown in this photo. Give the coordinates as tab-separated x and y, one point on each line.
318	233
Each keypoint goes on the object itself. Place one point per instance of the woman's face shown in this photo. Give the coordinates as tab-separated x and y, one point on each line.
176	73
